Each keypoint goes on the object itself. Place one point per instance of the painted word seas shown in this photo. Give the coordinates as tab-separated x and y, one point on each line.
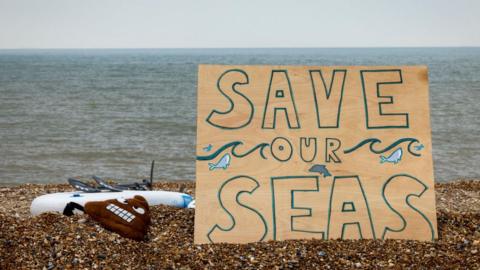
341	210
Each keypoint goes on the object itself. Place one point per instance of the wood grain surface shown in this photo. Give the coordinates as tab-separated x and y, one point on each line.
289	152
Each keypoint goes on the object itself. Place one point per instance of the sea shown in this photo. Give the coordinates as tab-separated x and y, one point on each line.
110	112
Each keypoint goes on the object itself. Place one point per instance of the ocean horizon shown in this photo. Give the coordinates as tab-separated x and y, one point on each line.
109	112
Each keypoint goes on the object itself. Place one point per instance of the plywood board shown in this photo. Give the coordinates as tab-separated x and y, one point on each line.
291	152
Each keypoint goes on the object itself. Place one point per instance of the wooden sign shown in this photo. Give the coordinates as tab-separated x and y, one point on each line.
289	152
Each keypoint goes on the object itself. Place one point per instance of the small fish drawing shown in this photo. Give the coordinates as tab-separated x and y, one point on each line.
207	148
419	147
394	158
223	163
321	169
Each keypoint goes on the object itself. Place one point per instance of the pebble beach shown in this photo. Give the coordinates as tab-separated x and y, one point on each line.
54	241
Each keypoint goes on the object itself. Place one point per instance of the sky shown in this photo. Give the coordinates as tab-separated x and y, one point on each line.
238	24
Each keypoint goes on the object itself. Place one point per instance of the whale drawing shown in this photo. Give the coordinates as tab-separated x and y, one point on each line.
321	169
394	158
223	163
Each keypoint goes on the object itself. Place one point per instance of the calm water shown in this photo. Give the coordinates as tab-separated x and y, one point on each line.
110	112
